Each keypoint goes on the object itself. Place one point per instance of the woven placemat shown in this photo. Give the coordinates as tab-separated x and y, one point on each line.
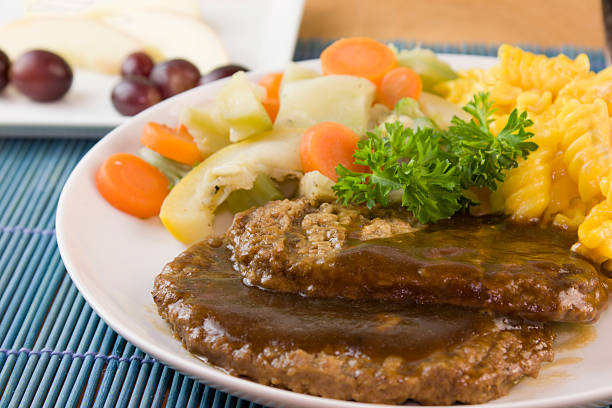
55	351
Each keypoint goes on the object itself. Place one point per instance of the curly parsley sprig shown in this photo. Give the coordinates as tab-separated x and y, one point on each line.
432	168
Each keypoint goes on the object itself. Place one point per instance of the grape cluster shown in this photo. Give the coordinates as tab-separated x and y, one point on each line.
44	76
40	75
145	83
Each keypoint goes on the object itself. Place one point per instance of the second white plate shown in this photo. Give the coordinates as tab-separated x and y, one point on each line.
263	38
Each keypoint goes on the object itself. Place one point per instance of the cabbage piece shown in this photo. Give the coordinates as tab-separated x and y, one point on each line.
188	211
239	103
209	130
332	98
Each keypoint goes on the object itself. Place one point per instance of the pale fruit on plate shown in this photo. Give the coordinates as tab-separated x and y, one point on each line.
187	7
55	7
171	35
83	42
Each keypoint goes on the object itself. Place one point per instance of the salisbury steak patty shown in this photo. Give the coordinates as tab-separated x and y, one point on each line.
361	350
330	251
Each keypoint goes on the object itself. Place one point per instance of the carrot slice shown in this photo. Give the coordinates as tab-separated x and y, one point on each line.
174	144
401	82
327	144
132	185
272	83
271	106
358	56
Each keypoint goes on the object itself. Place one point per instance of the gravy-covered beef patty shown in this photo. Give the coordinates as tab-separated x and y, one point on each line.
328	250
362	350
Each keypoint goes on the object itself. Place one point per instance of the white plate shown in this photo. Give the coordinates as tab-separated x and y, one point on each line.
113	259
259	35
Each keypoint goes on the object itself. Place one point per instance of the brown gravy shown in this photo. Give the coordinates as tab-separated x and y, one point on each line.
483	263
375	328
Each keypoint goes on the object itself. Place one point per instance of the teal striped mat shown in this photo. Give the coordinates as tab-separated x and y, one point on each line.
55	351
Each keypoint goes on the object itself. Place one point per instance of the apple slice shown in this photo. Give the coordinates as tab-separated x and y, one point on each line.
172	35
63	7
83	42
187	7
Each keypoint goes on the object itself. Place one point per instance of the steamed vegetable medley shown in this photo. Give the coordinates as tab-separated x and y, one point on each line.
368	130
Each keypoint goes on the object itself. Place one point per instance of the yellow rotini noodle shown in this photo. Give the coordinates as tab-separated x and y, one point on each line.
567	181
588	89
527	188
562	191
595	232
504	96
460	90
572	216
531	71
585	133
533	102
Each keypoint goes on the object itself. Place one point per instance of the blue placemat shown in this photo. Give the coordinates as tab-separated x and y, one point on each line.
55	351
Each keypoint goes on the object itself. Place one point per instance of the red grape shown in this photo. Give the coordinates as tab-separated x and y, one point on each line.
175	76
137	64
5	65
222	72
134	94
41	75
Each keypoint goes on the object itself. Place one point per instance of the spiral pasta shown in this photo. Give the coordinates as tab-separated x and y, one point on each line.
595	232
470	82
530	71
590	88
533	102
527	188
567	182
585	130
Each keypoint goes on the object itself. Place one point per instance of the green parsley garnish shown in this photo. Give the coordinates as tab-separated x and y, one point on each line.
433	168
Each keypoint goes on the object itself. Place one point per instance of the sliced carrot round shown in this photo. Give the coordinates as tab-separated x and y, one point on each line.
327	144
401	82
132	185
174	144
271	106
358	56
272	83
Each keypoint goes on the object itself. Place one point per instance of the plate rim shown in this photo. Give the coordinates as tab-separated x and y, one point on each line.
209	374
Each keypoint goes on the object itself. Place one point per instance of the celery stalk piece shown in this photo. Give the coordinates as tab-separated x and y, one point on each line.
426	63
239	103
208	129
263	191
173	170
